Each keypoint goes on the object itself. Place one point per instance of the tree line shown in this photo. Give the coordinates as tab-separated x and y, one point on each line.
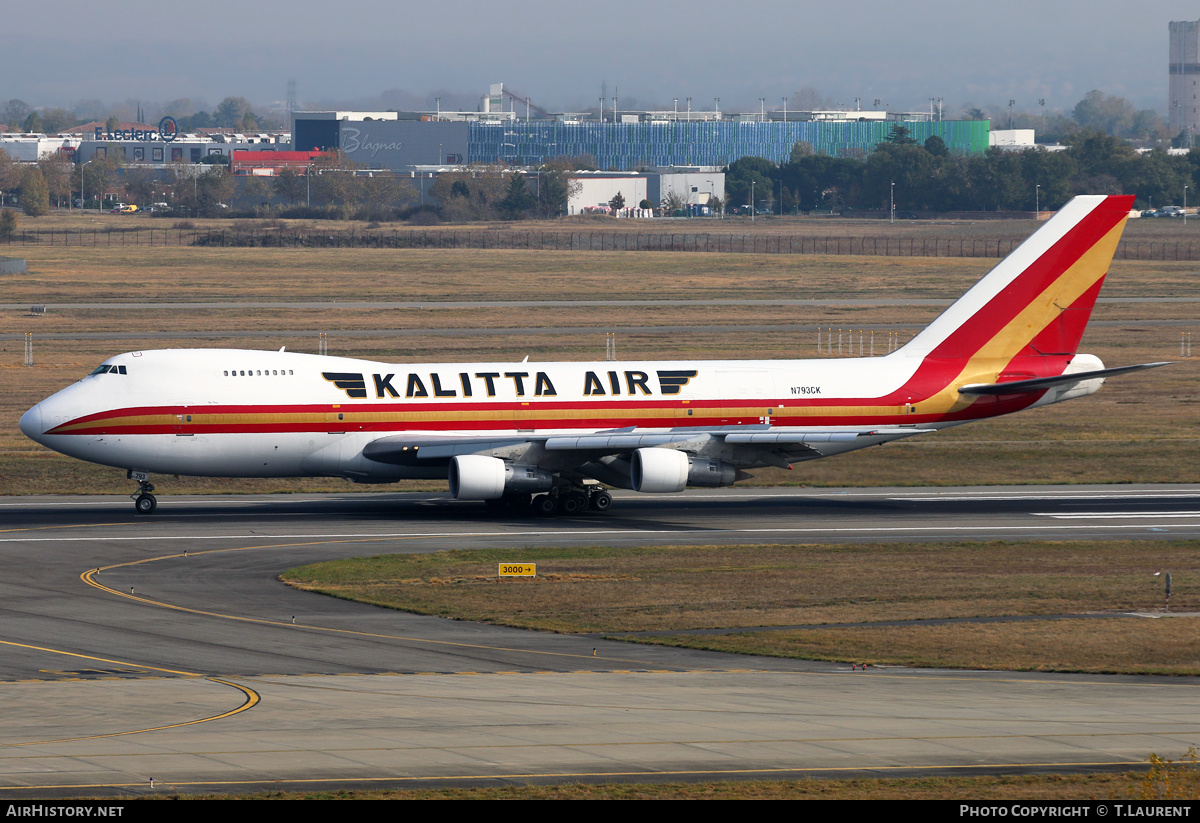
231	112
929	178
916	177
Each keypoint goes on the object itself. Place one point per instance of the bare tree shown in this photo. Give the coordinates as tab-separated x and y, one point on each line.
14	111
258	191
10	175
809	99
35	197
291	185
56	169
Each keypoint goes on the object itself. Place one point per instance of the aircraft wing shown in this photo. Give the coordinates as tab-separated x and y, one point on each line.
1043	383
409	449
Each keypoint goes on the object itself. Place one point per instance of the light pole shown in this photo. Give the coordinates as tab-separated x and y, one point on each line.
785	110
1185	206
892	204
1037	201
82	172
752	209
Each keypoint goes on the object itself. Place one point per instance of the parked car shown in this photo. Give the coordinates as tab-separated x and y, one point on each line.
1170	211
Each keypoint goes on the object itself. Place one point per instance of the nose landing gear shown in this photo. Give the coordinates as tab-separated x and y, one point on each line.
144	502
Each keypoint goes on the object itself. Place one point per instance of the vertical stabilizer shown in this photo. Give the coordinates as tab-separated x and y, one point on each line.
1035	304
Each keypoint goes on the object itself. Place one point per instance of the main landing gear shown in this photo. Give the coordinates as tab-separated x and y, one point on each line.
573	500
144	502
567	500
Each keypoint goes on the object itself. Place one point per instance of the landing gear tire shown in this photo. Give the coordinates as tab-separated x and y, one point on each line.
600	502
573	503
143	501
545	504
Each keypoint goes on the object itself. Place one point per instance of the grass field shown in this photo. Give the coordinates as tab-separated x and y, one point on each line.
1169	781
817	589
814	225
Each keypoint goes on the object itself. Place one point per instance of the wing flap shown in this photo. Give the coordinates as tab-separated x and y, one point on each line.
402	449
613	442
805	438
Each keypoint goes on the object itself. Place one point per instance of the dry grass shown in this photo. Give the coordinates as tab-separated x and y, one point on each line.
1042	787
790	225
684	588
73	274
1125	646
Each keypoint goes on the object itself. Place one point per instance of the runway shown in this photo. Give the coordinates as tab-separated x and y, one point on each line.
163	647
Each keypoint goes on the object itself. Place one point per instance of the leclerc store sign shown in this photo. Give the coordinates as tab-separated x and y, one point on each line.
167	131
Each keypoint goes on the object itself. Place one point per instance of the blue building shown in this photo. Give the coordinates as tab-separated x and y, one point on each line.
385	140
627	146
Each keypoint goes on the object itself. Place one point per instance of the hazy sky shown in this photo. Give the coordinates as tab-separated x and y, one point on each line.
559	52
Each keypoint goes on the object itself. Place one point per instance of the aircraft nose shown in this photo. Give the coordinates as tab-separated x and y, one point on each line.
31	423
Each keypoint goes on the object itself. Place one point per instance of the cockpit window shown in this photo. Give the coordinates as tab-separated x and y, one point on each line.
108	368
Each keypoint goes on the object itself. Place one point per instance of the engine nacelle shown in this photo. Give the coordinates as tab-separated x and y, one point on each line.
659	471
477	477
519	477
711	473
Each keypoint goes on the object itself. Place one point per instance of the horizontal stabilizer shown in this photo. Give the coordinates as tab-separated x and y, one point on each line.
1043	383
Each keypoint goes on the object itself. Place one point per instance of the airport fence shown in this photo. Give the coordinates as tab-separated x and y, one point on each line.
508	239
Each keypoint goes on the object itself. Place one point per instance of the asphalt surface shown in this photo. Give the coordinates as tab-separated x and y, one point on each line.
164	647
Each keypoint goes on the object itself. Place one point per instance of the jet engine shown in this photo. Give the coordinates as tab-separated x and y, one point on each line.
711	473
658	471
476	477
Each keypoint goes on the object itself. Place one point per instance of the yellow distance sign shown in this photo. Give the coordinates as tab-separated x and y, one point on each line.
518	569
